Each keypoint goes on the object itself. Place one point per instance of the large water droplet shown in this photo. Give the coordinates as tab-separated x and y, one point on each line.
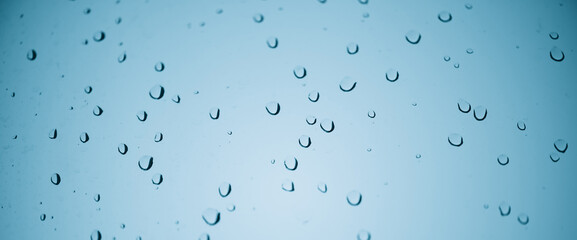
445	16
122	148
314	96
300	72
291	163
55	179
363	235
272	42
352	48
480	113
455	139
141	115
464	106
354	198
327	125
561	145
204	236
521	125
159	66
158	137
31	55
556	54
273	108
84	137
156	92
523	218
96	235
258	18
392	75
347	84
322	187
413	37
554	157
288	186
145	162
504	209
97	111
53	133
503	159
554	35
42	217
305	141
311	120
157	179
211	216
98	36
372	114
97	197
224	189
214	113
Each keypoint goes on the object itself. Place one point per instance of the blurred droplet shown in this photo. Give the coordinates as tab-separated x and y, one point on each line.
363	235
469	51
327	125
455	139
504	209
300	72
352	48
322	187
88	89
392	75
156	92
363	1
98	36
214	113
447	58
273	108
122	57
204	236
561	145
291	163
258	18
158	137
554	157
413	37
231	207
305	141
456	65
211	216
141	115
354	198
157	179
145	162
463	106
42	217
31	55
347	84
97	111
468	6
523	218
503	159
372	114
311	120
224	189
84	137
122	148
521	125
556	54
554	35
229	132
96	235
480	113
418	156
486	206
53	133
159	66
118	20
55	179
314	96
176	98
288	186
97	197
272	42
87	11
322	1
445	16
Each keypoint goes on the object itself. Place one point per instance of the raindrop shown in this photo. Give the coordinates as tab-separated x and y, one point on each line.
366	15
97	197
305	141
392	75
468	6
118	20
504	209
291	163
122	57
84	137
145	162
229	132
521	125
55	179
42	217
53	133
88	89
96	235
372	114
288	186
122	148
352	48
300	72
503	159
122	226
211	216
554	157
480	113
97	111
455	139
347	84
231	207
31	55
159	66
561	145
322	187
322	1
156	92
456	65
98	36
523	219
157	179
327	125
354	198
463	106
214	113
141	115
554	35
204	236
556	54
272	42
224	189
418	156
311	120
413	37
258	18
363	1
176	98
158	137
447	58
87	11
445	16
314	96
363	235
469	51
273	108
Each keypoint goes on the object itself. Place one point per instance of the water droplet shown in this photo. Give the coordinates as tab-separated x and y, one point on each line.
363	235
523	218
141	115
87	11
347	84
211	216
392	75
231	207
311	120
98	36
273	108
258	18
272	161
554	157
156	92
229	133
486	206
300	72
145	162
122	226
463	106
314	96
159	66
122	57
363	1
468	6
53	133
214	113
97	111
291	163
204	236
354	198
176	98
369	149
288	186
521	125
84	137
88	89
445	16
447	58
480	113
157	179
97	197
561	145
556	54
352	48
469	51
322	1
455	139
305	141
418	156
456	65
322	187
504	209
272	42
372	114
122	148
554	35
224	189
219	11
158	137
413	37
366	15
31	55
55	179
96	235
42	217
327	125
503	159
118	20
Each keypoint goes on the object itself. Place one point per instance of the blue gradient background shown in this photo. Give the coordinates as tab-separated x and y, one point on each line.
226	59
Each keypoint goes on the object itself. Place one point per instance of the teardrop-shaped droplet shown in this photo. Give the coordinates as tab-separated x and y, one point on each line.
214	113
145	162
157	179
305	141
84	137
503	159
521	125
122	57
300	72
291	163
352	48
480	113
158	137
327	125
96	235
159	66
523	218
42	217
156	92
354	198
88	89
98	36
347	84
413	37
176	98
224	189
122	148
455	139
55	179
272	42
561	145
554	157
445	16
322	187
372	114
204	236
556	54
97	111
258	18
504	209
211	216
554	35
53	133
31	55
463	106
363	235
288	186
314	96
273	108
392	75
311	120
142	115
97	197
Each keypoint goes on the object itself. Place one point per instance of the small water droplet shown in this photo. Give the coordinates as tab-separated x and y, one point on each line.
229	133
523	218
369	149
88	89
322	1
211	216
53	133
96	235
272	42
469	51
503	159
224	189
122	226
98	36
354	198
556	54
468	6
122	148
392	75
372	114
118	20
554	35
463	106
158	137
97	111
214	113
486	206
87	11
445	16
363	235
273	108
305	141
42	217
455	139
122	57
554	157
413	37
447	58
157	179
291	163
327	125
300	72
55	179
504	209
258	18
418	156
31	55
288	186
219	11
352	48
322	187
480	113
314	96
176	98
347	84
204	236
521	125
97	197
145	162
561	145
156	92
231	207
456	65
311	120
141	115
84	137
272	161
363	1
366	15
159	66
